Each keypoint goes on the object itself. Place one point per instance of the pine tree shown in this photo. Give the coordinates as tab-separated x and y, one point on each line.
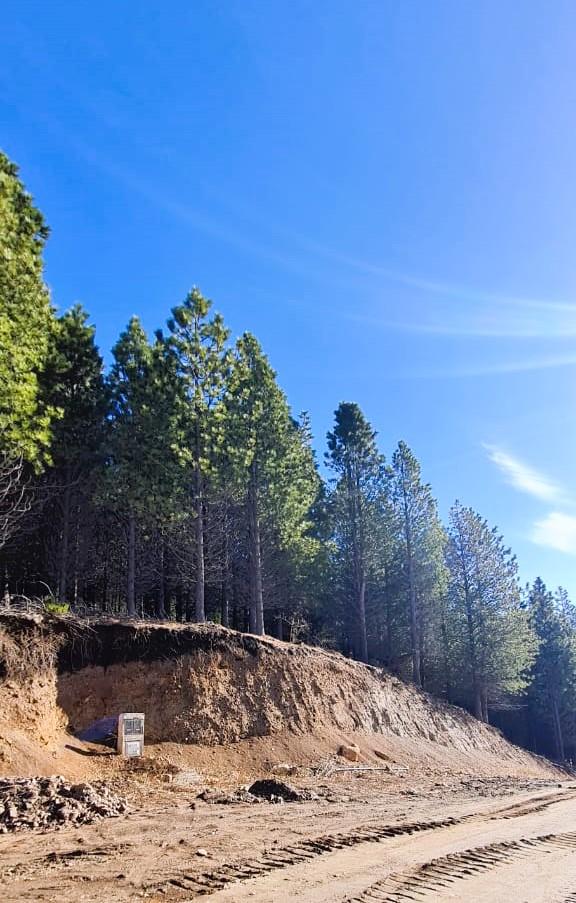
422	547
26	325
553	685
141	475
73	383
497	644
271	464
358	466
387	610
26	322
199	348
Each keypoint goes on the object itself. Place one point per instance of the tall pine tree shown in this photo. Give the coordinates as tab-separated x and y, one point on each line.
421	541
26	322
497	646
272	465
553	687
198	345
354	458
141	474
73	383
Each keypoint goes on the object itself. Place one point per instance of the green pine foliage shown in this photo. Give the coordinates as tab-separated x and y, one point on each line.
180	485
552	692
272	467
26	322
496	645
358	467
72	383
421	550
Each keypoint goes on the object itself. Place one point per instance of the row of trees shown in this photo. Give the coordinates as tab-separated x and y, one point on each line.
179	484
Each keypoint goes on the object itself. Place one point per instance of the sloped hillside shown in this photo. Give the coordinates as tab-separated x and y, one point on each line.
207	686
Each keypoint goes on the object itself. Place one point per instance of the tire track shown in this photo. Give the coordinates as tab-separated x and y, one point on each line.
300	851
208	882
528	807
61	860
446	870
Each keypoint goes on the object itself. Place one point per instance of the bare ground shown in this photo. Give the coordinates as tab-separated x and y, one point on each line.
448	810
370	837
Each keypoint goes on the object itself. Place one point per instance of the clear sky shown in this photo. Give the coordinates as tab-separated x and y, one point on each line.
383	191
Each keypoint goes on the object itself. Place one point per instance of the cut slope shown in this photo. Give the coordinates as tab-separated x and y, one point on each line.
207	686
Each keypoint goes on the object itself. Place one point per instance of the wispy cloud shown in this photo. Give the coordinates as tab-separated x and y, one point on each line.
557	531
466	293
463	310
552	362
524	477
481	316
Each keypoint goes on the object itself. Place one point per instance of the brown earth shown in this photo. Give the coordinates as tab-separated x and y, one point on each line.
448	811
205	689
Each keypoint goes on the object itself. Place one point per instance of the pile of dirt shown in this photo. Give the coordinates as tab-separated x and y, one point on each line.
209	689
27	803
277	791
265	790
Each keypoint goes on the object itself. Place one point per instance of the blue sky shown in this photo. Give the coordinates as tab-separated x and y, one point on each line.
383	192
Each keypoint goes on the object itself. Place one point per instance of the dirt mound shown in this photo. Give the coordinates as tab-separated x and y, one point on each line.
205	686
53	802
278	791
266	790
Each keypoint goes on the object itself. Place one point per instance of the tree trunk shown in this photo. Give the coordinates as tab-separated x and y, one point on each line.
485	717
257	596
421	641
447	671
558	733
161	598
478	702
199	610
388	604
179	605
63	574
225	601
237	622
362	634
413	602
279	627
76	568
476	686
105	588
131	599
414	637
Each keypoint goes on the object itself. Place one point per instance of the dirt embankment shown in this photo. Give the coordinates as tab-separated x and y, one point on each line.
206	686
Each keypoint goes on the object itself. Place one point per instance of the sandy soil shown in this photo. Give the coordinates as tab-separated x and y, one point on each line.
367	838
447	810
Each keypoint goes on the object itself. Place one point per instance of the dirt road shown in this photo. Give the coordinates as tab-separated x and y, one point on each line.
453	840
528	857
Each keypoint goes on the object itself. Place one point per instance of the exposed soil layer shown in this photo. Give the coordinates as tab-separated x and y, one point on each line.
206	686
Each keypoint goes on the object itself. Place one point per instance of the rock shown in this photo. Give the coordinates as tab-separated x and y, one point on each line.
283	770
268	789
277	791
350	752
27	803
202	852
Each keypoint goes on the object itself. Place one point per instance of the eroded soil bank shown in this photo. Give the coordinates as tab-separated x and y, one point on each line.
204	688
